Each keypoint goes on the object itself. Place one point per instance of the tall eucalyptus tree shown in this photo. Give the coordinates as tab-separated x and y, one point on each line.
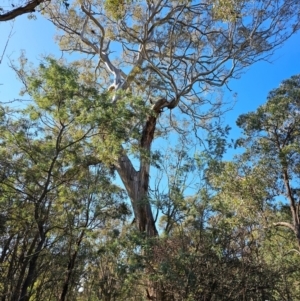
171	54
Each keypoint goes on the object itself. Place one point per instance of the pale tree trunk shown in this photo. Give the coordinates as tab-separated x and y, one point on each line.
294	207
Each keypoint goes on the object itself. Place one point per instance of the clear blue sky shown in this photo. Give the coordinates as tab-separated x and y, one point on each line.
36	37
258	80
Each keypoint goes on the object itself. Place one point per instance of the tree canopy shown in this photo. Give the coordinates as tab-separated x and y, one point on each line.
272	141
90	211
65	231
170	53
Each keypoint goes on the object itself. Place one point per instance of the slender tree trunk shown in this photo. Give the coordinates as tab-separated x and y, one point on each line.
293	206
9	277
31	271
24	264
71	266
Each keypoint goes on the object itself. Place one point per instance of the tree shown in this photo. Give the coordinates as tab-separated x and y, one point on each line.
64	234
218	246
54	196
170	53
241	220
271	138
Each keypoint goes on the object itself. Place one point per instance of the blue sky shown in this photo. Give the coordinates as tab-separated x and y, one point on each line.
36	38
258	80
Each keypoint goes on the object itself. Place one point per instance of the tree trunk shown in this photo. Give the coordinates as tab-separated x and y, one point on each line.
293	205
137	182
31	275
137	186
71	266
24	263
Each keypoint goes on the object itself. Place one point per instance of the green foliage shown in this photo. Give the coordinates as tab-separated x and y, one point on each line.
57	91
55	191
116	8
228	10
271	138
64	218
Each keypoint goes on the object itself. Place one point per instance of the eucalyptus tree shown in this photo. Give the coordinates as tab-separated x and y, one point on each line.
171	54
272	139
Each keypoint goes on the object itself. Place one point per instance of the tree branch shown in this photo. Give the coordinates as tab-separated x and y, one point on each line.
21	10
285	224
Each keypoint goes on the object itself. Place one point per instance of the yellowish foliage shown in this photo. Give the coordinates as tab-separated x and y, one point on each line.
227	10
115	8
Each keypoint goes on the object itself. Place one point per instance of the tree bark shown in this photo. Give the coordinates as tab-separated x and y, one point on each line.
31	275
28	8
24	259
71	266
137	182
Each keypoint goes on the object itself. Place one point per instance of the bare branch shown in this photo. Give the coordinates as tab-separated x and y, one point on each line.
29	7
285	224
7	41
